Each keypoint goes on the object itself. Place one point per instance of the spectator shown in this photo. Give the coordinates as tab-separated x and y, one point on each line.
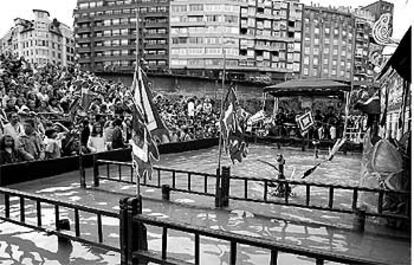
117	137
30	143
52	144
14	128
8	152
96	142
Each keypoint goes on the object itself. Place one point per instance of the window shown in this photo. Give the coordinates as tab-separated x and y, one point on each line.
179	8
196	7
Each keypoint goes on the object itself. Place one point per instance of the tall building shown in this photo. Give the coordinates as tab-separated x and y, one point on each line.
363	71
380	7
40	40
328	40
259	38
201	32
105	34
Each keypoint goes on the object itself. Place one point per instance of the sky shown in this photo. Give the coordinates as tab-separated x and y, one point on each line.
63	9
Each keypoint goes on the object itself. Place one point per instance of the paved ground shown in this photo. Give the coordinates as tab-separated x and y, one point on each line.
316	230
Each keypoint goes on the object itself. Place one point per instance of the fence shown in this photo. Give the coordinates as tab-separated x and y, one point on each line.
225	183
134	247
60	228
133	242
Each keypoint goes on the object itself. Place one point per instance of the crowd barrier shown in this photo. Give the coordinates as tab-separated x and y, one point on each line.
15	211
166	179
26	171
134	244
133	227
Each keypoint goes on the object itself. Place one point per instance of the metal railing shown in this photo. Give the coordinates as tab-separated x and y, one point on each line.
331	188
40	201
268	186
136	250
128	178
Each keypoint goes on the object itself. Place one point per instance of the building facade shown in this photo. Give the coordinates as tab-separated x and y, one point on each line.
328	43
259	38
41	40
105	34
363	71
380	7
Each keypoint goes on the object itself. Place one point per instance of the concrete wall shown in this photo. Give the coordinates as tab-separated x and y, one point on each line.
190	86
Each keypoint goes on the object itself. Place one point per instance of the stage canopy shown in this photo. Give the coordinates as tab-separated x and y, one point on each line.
308	88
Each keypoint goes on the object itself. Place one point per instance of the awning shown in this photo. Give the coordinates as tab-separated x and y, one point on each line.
308	87
401	59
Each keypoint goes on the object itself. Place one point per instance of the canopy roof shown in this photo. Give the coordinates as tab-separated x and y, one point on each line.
308	87
401	59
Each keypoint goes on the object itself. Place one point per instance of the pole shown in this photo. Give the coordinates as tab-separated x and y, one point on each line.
348	97
137	62
222	105
137	34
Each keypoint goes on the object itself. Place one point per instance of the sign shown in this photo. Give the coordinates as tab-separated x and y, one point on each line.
305	121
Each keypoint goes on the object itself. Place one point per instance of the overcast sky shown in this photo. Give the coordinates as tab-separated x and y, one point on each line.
63	9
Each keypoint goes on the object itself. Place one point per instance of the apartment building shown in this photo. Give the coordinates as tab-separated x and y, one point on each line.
105	34
328	43
40	40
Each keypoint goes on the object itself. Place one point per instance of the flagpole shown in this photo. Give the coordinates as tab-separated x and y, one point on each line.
137	61
221	107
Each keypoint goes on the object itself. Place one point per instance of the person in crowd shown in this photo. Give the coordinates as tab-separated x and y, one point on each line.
117	137
30	143
14	128
8	152
52	144
96	142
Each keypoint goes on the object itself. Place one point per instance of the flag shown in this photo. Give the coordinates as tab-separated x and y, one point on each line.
144	149
232	127
144	100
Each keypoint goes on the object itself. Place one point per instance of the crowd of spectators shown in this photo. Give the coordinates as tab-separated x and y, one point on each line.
39	117
41	120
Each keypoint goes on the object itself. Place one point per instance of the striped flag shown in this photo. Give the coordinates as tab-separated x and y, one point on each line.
144	100
144	148
233	126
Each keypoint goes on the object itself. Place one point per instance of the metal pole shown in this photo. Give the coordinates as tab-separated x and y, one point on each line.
222	105
348	100
137	62
137	34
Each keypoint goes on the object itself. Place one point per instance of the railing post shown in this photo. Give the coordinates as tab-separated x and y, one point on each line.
63	224
82	172
217	201
95	171
136	234
123	230
165	189
225	186
359	221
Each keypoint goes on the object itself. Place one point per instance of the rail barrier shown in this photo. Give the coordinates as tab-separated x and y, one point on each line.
59	229
134	247
224	183
133	241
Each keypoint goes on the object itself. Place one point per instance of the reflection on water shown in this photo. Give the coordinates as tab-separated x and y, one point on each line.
343	170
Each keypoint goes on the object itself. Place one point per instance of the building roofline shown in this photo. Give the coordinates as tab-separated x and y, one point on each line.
381	1
327	9
42	10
